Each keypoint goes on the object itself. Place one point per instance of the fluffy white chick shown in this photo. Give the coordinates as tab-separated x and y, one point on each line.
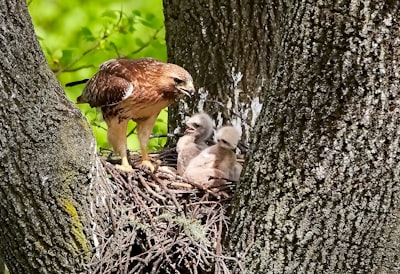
217	161
199	129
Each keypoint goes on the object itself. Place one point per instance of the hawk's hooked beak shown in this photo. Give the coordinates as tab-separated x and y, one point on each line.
187	89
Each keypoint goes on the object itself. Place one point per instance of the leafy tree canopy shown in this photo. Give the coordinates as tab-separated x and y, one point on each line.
77	37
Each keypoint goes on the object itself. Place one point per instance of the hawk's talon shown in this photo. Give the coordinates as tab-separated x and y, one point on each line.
147	164
126	168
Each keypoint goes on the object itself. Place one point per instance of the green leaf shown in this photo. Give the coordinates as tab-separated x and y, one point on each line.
136	13
130	22
155	129
147	23
139	42
66	57
110	14
150	16
86	33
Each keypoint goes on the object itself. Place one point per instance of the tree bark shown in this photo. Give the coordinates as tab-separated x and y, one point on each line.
320	192
219	43
2	266
47	158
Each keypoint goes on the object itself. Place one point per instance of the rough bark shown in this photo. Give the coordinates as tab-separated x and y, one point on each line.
219	43
2	266
320	192
47	158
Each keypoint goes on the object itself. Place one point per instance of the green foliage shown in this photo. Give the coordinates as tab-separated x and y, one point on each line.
77	36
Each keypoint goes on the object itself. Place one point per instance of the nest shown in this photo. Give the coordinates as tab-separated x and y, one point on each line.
159	223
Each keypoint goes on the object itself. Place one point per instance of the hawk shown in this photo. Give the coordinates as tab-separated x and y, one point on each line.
217	161
135	90
199	129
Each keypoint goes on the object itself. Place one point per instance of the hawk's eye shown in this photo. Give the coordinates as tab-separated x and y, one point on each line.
178	81
223	141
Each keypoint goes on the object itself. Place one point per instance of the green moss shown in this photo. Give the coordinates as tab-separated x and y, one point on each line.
79	242
192	228
39	246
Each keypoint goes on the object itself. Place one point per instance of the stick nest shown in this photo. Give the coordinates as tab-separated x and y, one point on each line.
159	223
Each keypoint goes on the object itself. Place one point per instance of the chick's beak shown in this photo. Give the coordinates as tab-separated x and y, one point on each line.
187	89
189	130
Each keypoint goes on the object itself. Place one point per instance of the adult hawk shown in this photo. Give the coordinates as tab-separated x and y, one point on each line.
135	90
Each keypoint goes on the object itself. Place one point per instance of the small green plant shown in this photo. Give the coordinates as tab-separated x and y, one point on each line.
77	37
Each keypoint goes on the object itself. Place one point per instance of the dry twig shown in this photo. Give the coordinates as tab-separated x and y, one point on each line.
159	223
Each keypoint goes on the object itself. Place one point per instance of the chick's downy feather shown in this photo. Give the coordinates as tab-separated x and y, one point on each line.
199	129
217	161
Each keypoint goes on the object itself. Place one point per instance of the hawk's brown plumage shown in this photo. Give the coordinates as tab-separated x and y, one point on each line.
134	89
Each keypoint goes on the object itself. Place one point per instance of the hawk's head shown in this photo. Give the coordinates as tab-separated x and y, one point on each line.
176	81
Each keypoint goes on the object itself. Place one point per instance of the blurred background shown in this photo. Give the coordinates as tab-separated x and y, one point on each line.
77	36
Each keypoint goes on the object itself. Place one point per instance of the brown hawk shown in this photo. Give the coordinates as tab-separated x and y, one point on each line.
135	90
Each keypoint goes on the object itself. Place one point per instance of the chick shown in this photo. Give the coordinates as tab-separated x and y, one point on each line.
217	161
199	129
235	172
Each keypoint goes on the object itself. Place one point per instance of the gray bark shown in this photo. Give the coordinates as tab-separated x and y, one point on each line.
47	158
320	192
218	42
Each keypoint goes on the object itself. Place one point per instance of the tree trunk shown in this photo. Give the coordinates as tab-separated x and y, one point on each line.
320	190
47	160
320	193
2	266
219	44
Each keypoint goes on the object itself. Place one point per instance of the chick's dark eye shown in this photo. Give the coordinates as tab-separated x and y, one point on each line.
178	81
196	125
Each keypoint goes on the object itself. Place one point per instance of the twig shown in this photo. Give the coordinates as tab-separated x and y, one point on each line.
158	222
165	188
179	184
145	45
143	182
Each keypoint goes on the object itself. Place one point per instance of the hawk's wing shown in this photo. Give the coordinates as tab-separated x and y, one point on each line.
109	86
